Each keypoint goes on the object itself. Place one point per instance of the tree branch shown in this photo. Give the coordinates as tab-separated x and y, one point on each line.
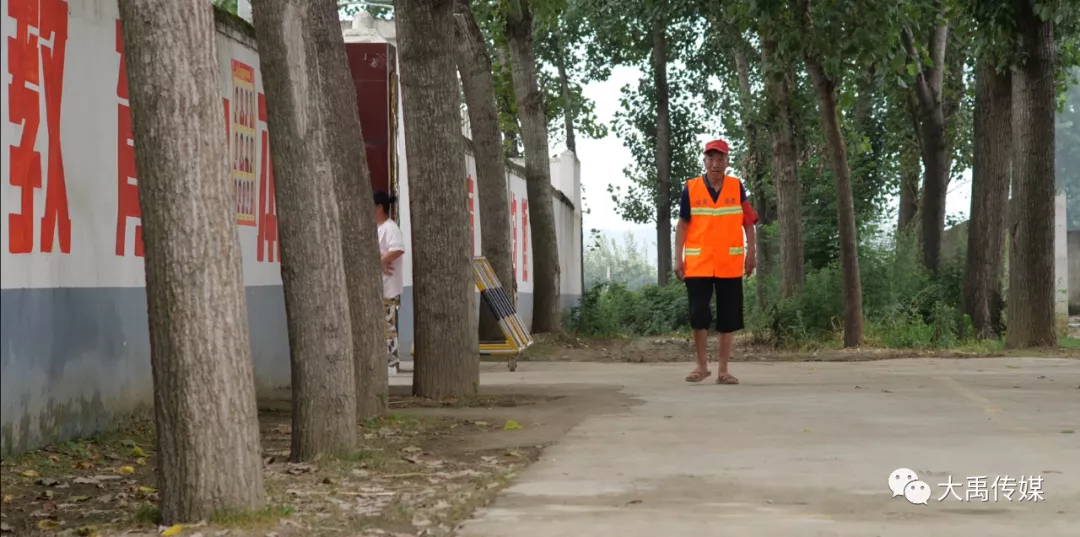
923	90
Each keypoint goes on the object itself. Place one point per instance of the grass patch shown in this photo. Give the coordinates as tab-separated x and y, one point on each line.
147	514
259	517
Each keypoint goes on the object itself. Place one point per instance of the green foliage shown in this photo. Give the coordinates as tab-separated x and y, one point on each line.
1067	152
904	307
635	124
611	309
227	5
609	262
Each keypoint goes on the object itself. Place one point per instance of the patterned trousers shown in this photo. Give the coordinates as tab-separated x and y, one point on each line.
390	308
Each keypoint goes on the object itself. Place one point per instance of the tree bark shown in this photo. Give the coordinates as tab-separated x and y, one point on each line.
845	205
663	152
1031	239
785	170
928	85
360	242
910	169
309	228
204	381
507	106
447	362
753	170
992	152
495	242
547	314
569	113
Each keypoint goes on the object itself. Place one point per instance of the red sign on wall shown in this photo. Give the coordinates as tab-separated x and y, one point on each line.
38	61
472	212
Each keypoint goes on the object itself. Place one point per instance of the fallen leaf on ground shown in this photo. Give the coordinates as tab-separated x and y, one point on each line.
411	449
511	425
30	473
48	482
47	524
8	498
140	461
79	498
513	453
125	470
806	430
137	452
480	423
172	530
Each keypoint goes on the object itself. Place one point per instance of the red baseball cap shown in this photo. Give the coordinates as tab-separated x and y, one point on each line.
717	145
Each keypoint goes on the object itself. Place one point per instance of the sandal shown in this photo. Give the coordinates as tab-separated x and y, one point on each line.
698	375
726	378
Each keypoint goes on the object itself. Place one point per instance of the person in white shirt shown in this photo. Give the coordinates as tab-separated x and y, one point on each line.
391	248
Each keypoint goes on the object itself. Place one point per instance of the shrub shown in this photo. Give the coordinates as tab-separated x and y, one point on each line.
903	307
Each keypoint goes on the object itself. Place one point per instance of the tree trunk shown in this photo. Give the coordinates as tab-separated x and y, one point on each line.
507	106
360	243
753	170
845	206
928	84
204	381
992	151
547	315
569	113
1031	245
447	362
910	169
309	227
785	170
495	242
663	153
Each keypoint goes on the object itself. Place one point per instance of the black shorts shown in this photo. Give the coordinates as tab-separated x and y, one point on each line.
729	303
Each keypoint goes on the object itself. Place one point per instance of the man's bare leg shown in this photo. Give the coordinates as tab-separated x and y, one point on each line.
701	372
726	341
701	342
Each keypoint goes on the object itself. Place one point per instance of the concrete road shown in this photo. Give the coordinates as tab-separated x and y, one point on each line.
802	449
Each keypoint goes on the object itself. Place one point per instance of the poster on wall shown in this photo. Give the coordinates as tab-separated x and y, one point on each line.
244	115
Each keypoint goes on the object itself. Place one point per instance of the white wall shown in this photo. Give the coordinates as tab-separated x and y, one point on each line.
74	344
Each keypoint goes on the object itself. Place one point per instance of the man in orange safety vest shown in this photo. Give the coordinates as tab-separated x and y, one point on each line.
711	255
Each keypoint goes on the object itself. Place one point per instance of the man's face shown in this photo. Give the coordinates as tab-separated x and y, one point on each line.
716	162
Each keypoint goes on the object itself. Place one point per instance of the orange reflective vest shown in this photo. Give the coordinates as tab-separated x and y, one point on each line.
714	237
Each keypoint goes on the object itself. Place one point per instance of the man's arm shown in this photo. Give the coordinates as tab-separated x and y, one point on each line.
395	248
684	219
750	219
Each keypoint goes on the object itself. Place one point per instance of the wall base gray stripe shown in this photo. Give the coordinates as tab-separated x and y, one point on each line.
76	361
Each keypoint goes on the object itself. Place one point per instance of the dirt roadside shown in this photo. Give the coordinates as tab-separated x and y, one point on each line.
420	471
681	349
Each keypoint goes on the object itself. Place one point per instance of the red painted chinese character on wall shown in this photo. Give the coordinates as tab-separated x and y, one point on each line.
37	60
513	229
269	248
127	193
524	240
472	212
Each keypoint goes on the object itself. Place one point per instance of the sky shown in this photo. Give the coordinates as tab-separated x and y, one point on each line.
603	160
